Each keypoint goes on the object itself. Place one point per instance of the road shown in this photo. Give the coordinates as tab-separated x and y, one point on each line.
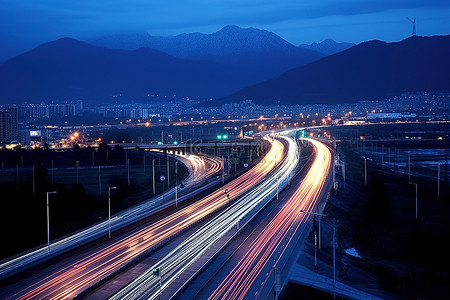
84	273
174	264
200	168
257	267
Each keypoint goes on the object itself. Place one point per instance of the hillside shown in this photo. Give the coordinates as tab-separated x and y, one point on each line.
368	71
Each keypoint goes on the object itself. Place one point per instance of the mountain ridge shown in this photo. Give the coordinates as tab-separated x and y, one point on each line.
68	68
368	71
260	54
327	46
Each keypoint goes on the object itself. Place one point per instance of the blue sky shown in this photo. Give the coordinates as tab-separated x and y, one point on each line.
27	23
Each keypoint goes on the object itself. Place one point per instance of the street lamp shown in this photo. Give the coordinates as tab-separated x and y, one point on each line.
365	170
128	170
320	217
334	246
176	184
153	176
109	208
48	221
414	183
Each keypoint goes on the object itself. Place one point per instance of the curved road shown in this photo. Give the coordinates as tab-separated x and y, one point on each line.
82	274
262	256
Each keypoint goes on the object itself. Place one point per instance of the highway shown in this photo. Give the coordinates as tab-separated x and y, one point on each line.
200	169
255	269
172	266
84	273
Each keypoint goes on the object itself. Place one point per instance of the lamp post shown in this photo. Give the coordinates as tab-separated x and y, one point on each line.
128	170
176	184
320	218
109	209
414	183
365	170
48	221
223	171
153	176
168	173
334	246
409	164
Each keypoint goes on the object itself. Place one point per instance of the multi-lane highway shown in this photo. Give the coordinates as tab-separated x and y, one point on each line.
200	167
83	273
194	247
263	256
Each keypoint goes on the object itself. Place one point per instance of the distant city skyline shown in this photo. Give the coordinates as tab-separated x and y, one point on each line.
26	24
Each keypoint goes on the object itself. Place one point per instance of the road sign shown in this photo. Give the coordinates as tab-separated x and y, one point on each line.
245	165
162	178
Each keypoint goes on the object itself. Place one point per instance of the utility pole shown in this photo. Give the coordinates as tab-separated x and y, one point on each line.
48	221
315	249
223	171
176	184
153	177
343	174
409	164
277	282
144	161
128	170
334	245
99	181
168	172
334	258
109	209
365	170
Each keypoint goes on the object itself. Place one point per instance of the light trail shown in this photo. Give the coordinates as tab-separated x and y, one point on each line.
284	225
178	260
78	276
200	170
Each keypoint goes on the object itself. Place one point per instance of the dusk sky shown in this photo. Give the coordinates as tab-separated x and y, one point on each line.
26	23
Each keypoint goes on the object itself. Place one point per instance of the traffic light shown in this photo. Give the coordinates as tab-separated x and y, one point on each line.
302	133
225	136
159	143
175	143
156	272
219	137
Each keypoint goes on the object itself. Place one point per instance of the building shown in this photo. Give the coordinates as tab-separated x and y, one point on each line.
30	137
32	111
8	126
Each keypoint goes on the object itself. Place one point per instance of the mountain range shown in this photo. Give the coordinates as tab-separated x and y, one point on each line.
368	71
198	66
327	47
259	65
257	54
